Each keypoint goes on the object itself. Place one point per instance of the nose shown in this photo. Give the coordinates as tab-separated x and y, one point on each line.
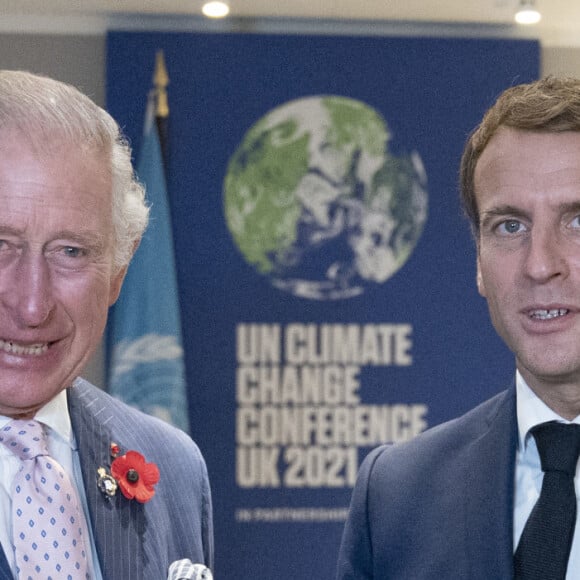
26	291
546	256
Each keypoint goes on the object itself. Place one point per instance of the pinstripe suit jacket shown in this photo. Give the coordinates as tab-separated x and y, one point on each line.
439	506
139	541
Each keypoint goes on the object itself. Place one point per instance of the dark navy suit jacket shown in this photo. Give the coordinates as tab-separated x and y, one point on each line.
439	507
139	541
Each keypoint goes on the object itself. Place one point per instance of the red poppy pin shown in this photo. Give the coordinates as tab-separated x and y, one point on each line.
135	476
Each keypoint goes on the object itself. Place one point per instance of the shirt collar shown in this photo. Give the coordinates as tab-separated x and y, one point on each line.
532	411
55	416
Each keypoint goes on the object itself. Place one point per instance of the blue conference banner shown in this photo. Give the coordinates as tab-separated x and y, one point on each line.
326	273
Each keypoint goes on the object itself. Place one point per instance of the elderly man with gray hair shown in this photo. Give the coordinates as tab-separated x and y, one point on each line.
89	487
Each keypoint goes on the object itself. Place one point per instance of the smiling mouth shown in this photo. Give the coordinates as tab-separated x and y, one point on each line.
543	314
12	347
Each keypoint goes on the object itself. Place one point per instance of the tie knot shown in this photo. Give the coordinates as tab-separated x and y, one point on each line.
26	439
558	446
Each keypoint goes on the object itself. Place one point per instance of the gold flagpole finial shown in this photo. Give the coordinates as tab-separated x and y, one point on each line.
161	80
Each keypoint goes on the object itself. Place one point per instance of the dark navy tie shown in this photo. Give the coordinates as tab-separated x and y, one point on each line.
544	547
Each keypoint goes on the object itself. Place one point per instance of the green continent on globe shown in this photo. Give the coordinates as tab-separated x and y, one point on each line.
261	209
316	202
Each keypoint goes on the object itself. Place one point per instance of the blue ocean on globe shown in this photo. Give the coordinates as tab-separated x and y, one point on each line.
316	202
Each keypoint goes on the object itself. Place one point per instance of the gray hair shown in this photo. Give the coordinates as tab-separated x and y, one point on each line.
42	109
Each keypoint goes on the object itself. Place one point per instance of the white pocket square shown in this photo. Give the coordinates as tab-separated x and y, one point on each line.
186	570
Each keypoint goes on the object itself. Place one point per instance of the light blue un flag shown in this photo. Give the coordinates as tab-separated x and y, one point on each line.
146	367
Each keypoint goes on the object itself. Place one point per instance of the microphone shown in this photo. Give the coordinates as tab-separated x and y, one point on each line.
186	570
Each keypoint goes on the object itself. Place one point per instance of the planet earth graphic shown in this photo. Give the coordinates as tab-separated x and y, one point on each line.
316	202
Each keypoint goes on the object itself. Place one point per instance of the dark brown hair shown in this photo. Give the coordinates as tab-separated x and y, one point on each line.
550	105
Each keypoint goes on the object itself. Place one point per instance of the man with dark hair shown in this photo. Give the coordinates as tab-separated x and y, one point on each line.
491	494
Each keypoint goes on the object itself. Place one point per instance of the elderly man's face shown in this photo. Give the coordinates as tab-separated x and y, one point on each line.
56	267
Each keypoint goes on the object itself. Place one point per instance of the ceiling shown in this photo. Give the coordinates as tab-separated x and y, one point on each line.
560	23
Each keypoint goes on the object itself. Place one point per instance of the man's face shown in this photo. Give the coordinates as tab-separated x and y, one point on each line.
528	194
56	274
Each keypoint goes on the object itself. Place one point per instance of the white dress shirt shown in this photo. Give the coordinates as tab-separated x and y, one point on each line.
531	411
62	447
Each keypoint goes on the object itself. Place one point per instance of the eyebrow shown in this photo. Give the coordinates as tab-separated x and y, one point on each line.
571	207
500	211
516	212
83	237
10	230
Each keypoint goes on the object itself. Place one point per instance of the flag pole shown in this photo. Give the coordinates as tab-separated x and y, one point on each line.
147	367
160	82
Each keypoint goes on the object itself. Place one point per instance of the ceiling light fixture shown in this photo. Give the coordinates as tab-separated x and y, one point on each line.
215	9
527	13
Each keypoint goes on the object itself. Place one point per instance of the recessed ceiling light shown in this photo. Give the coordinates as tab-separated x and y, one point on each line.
527	13
215	9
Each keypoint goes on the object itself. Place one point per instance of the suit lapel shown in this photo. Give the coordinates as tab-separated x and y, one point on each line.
489	510
118	524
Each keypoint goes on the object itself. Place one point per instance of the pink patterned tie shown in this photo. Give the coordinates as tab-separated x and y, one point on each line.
46	514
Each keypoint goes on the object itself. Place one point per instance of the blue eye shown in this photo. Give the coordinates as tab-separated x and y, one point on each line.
72	252
510	227
5	246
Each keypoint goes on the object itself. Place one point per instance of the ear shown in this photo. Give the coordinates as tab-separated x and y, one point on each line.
116	285
117	279
479	278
